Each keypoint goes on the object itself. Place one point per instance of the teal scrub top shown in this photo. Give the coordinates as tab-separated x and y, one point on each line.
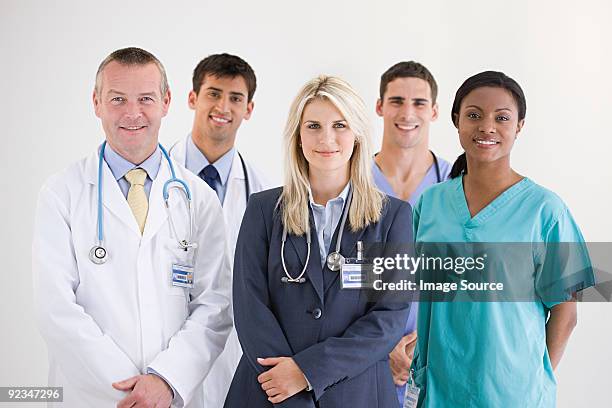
489	354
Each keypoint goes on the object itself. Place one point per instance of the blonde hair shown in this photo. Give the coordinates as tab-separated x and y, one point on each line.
367	202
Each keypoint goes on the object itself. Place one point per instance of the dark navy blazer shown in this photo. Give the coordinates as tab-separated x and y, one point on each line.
338	338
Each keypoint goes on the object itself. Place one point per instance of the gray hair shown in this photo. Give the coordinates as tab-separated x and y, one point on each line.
132	56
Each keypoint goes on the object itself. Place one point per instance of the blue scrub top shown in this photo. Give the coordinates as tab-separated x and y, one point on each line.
429	180
473	354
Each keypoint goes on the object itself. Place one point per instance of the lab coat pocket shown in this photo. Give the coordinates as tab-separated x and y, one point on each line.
178	291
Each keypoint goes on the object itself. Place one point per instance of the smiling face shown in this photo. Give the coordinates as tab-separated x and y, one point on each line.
488	123
327	141
130	105
220	107
407	110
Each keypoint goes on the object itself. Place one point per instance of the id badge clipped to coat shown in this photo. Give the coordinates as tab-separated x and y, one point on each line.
182	269
182	275
356	272
411	396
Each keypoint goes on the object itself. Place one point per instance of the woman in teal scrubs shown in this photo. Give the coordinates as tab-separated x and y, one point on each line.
493	354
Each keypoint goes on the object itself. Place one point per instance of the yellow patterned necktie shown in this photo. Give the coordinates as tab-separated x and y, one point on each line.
136	197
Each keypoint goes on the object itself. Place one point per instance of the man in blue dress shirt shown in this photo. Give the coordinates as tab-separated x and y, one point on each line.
222	98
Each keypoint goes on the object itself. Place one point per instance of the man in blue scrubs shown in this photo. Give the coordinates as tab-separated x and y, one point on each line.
405	166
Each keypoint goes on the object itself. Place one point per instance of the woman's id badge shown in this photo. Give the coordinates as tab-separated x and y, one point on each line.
355	272
182	275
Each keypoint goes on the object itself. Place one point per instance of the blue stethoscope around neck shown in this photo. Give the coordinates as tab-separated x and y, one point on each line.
99	254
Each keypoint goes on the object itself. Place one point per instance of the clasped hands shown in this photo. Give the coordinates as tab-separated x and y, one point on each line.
283	380
280	382
145	391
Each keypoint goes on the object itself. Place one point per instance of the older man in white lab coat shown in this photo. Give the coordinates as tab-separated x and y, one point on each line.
222	97
141	320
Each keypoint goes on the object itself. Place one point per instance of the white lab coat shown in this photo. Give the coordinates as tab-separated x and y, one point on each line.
105	323
217	383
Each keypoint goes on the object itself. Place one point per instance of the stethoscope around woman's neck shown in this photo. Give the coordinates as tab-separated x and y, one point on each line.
334	260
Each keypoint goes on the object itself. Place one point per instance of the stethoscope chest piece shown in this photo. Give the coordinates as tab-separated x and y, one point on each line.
334	261
285	279
97	254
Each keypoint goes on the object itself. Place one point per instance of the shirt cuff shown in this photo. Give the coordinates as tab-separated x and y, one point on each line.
308	386
176	399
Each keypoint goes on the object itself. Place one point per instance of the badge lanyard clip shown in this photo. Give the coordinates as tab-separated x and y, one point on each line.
355	271
411	396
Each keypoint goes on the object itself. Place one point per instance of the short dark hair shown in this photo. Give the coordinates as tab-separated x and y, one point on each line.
409	69
492	79
225	65
132	56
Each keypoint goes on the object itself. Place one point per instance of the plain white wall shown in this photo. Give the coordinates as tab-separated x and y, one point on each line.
556	50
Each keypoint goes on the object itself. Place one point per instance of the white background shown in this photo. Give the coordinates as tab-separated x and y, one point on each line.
558	51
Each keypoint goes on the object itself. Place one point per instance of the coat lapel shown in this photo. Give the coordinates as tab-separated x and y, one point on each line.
112	197
234	203
178	151
158	214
